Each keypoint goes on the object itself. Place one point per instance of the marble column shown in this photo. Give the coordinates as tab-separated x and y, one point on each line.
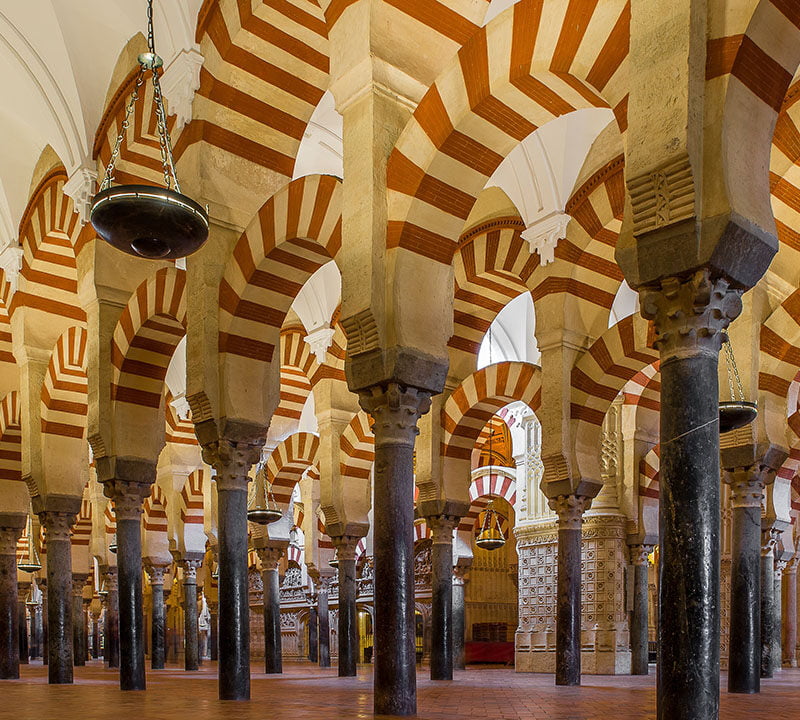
459	615
640	615
442	527
689	315
213	639
78	619
313	629
112	620
87	602
769	538
348	614
744	661
57	528
128	498
789	604
777	618
41	636
22	614
232	462
395	410
324	619
570	509
270	557
11	527
158	617
96	633
191	633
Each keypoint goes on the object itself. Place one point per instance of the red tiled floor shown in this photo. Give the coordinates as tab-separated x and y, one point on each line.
305	691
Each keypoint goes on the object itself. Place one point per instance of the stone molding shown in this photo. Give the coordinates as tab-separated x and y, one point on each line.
128	497
270	557
691	313
640	554
8	539
57	525
570	509
345	546
190	567
156	574
78	583
442	527
395	410
662	196
232	460
747	487
769	539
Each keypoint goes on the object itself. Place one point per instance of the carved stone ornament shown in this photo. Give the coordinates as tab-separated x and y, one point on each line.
395	411
423	567
747	487
690	314
570	509
232	461
640	554
57	525
769	539
662	196
269	557
8	540
190	568
78	583
128	498
442	527
156	573
345	546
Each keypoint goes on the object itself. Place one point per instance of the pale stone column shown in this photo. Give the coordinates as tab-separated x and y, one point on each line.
11	527
78	619
640	620
789	604
570	509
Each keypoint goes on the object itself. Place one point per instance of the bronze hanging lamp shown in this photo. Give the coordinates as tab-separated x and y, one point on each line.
143	220
264	509
32	563
491	535
112	544
334	563
736	412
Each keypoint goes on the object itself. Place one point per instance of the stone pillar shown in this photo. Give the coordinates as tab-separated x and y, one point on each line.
213	637
78	619
191	636
232	461
689	314
22	614
789	605
112	620
324	620
11	527
313	629
348	614
395	410
158	618
96	633
459	615
87	602
744	654
270	557
42	643
442	527
128	498
640	615
570	509
777	618
57	526
769	538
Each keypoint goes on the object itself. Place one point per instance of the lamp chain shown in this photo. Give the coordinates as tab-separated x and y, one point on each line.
733	372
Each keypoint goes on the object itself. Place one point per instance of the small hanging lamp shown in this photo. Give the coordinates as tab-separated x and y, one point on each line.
264	510
32	563
491	535
736	412
215	572
335	562
143	220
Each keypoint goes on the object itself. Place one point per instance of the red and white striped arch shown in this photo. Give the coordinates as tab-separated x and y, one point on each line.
421	531
10	438
294	554
64	394
191	498
6	345
297	367
178	431
649	467
287	463
82	530
483	489
324	541
643	391
535	62
357	444
155	511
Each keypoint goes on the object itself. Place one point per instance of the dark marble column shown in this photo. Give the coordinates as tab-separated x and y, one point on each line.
313	629
95	635
689	316
78	620
213	636
768	538
744	663
41	638
395	410
57	527
789	605
191	633
158	618
128	497
777	618
11	527
270	557
640	616
232	462
442	527
459	615
87	602
348	615
111	624
22	614
570	509
324	619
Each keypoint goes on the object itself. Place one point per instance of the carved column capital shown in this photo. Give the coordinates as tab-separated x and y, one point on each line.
156	574
270	557
190	567
442	527
78	583
111	580
323	583
640	554
395	410
57	525
791	567
690	313
460	574
232	461
345	546
570	509
780	566
128	497
8	540
769	539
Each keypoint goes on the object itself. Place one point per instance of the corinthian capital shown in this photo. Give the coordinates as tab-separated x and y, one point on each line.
570	509
8	540
269	557
232	460
747	486
57	525
690	313
128	497
395	410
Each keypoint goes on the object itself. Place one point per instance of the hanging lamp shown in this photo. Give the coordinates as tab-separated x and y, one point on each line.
143	220
491	535
736	412
112	544
264	510
335	562
32	564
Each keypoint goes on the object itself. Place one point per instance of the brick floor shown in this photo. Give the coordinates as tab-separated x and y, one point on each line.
305	691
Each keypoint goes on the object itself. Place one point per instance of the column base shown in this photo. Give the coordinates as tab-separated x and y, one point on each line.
531	656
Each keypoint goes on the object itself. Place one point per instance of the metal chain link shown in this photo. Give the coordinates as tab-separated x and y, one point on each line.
109	178
733	372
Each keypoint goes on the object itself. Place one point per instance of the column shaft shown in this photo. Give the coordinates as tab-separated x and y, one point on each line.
777	619
22	627
789	604
213	639
273	661
442	597
191	639
640	620
459	619
131	617
9	611
78	621
324	621
158	619
348	614
313	633
111	625
59	596
767	610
